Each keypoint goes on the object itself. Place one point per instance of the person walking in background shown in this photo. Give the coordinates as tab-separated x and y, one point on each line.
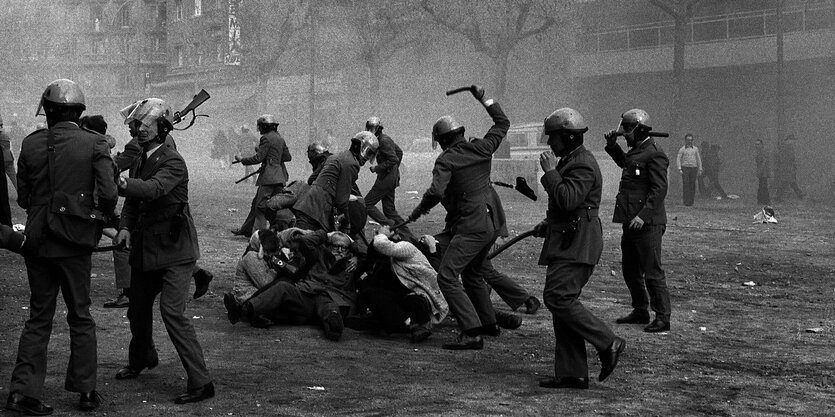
712	167
763	172
387	168
247	143
785	169
689	163
8	156
272	154
67	167
573	245
639	206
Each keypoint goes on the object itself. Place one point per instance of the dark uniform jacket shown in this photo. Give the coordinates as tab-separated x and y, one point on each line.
389	156
643	183
157	214
574	233
331	189
461	180
133	151
6	148
272	153
83	172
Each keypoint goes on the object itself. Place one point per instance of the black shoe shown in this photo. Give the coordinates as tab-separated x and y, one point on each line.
657	326
464	342
233	310
261	322
239	232
121	301
635	317
364	322
333	325
196	394
507	320
202	278
565	382
609	358
490	330
23	404
89	401
131	373
532	305
420	333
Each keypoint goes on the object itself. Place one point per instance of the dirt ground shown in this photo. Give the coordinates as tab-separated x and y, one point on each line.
734	350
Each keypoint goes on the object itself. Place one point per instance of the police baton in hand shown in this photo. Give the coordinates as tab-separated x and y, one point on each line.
246	177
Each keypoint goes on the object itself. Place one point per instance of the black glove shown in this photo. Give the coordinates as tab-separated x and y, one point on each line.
541	228
477	91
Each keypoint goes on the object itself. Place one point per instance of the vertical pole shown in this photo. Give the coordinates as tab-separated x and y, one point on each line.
781	87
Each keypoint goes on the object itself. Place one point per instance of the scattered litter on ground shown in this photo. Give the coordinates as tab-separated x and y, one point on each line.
814	330
316	388
232	210
766	215
703	328
749	284
733	196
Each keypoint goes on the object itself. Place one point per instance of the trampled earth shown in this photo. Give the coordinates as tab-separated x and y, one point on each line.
733	350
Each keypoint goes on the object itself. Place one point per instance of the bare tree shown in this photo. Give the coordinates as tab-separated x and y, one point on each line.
681	11
383	29
269	30
495	27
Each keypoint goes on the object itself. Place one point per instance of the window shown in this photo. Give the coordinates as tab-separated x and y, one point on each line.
97	47
178	52
178	9
220	51
162	13
198	8
124	16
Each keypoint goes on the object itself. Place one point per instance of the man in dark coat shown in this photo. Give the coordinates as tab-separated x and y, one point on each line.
157	225
573	244
334	187
79	184
272	153
785	169
639	206
461	183
389	157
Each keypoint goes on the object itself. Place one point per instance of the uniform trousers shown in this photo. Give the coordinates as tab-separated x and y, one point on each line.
763	196
172	285
506	287
257	219
282	301
121	267
642	270
384	190
469	297
573	323
70	275
5	208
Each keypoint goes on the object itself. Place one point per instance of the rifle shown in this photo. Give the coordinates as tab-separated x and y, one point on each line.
198	99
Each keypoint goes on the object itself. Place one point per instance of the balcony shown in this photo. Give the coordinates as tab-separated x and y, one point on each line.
732	39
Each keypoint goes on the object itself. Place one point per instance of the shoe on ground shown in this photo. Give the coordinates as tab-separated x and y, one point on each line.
635	317
362	322
333	325
532	305
131	373
464	342
89	401
657	326
609	358
202	278
420	333
239	232
507	320
196	394
565	382
490	330
121	301
28	405
233	309
261	322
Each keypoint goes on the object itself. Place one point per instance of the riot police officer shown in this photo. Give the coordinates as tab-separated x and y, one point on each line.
639	207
